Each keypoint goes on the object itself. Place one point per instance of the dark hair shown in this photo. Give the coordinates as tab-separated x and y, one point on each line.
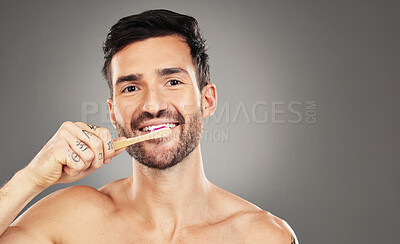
157	23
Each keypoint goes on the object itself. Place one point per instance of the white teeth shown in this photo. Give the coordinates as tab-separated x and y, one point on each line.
149	128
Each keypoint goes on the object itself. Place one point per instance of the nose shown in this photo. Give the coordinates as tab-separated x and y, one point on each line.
153	102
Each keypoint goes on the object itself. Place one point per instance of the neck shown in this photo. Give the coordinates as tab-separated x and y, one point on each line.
177	195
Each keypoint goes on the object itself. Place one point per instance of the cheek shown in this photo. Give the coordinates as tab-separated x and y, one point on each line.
188	105
124	112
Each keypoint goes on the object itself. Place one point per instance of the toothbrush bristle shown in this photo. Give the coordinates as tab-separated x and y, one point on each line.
158	128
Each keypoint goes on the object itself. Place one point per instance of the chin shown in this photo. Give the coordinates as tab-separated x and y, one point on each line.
160	153
158	160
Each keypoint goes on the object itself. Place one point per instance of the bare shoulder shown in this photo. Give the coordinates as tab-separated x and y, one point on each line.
259	226
64	204
59	212
264	227
255	224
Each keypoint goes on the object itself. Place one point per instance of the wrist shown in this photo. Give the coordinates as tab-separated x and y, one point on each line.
29	180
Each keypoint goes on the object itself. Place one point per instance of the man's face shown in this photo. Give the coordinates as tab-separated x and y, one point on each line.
155	84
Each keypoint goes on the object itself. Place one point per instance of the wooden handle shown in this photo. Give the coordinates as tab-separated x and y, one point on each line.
164	132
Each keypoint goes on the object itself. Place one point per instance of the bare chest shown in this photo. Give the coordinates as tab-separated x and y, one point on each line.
129	233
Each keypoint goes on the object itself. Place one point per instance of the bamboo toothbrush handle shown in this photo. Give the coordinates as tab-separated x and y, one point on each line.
164	132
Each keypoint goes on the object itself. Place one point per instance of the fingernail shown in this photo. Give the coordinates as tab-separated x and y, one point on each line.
107	161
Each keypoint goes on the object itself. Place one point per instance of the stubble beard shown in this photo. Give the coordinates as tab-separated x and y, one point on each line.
189	139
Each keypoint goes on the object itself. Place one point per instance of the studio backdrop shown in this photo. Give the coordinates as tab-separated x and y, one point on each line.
307	124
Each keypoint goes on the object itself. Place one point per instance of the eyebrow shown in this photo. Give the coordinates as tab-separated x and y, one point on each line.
170	71
131	77
160	72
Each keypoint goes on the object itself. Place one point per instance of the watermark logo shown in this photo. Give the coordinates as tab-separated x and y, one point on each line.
258	112
262	112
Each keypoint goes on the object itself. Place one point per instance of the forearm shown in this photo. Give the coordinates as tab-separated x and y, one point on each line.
14	196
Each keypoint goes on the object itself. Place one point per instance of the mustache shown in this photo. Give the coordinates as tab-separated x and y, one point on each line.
167	114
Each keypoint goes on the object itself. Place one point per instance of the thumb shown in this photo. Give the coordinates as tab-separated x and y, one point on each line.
117	152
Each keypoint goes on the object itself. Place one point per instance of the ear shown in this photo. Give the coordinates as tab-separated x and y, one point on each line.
209	99
110	104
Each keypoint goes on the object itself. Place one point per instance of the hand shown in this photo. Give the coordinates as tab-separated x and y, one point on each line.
76	150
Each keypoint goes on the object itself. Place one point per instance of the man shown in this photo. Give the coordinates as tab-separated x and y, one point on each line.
157	70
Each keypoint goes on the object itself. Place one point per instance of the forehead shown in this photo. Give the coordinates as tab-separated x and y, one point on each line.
154	53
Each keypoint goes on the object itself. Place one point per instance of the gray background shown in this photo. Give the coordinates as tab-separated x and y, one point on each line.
334	181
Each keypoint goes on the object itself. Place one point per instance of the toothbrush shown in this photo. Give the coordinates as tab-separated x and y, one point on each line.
155	133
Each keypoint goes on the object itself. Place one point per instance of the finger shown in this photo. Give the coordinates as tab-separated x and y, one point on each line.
80	150
73	163
104	135
91	140
65	155
117	152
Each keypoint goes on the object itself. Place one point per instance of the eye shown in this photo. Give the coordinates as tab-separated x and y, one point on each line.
173	82
130	89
